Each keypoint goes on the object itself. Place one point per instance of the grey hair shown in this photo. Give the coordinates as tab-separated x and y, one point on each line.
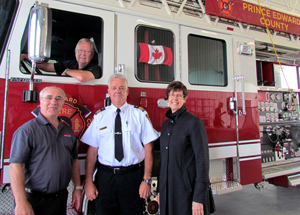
85	40
114	76
43	90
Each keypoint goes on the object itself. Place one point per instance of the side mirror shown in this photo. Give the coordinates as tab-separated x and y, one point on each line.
39	43
39	33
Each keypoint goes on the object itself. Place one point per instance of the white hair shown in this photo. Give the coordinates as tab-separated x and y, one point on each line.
114	76
85	40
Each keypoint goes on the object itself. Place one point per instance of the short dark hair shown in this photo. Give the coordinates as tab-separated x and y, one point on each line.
176	86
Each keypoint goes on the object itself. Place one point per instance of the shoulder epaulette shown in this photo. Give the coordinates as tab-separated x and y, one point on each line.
98	111
142	109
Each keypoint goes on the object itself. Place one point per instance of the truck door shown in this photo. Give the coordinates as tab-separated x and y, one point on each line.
209	72
248	138
70	22
147	82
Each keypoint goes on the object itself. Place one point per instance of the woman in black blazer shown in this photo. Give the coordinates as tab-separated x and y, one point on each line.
184	171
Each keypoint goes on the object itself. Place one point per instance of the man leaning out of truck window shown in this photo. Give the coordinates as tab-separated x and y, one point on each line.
80	68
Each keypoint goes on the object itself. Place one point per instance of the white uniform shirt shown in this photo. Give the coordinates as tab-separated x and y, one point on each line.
136	129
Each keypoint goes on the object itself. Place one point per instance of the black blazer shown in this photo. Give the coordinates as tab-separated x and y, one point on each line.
184	170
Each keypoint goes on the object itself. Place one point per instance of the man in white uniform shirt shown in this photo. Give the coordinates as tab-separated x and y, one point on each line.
121	183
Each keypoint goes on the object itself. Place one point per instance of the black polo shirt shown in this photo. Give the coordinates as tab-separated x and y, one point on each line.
46	152
60	67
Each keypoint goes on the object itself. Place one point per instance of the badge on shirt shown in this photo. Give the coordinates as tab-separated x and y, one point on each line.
147	116
67	135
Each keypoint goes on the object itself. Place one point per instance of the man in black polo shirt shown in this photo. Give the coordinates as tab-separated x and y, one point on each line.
43	160
80	68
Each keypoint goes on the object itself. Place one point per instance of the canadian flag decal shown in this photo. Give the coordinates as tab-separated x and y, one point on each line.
155	54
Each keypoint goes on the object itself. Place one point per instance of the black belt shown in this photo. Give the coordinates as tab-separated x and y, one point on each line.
42	194
120	169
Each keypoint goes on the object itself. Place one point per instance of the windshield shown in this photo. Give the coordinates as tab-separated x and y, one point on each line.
7	13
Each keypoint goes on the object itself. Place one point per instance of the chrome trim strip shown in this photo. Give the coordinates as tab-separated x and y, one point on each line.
250	158
4	107
254	141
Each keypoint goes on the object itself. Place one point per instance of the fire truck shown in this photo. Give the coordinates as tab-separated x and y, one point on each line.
246	96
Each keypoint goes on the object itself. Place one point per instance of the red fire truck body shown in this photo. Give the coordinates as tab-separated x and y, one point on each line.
217	63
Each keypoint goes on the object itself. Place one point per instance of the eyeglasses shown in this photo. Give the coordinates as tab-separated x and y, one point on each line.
57	98
176	95
85	51
120	88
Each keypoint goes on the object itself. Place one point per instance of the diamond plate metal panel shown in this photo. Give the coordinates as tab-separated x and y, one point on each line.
217	172
70	210
225	187
7	200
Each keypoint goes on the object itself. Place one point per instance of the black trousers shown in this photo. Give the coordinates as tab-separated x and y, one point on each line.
53	204
119	194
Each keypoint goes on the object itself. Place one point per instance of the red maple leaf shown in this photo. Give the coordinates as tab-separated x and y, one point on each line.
157	54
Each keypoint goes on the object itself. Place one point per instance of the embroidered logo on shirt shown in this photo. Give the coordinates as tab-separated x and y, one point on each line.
147	116
103	128
67	135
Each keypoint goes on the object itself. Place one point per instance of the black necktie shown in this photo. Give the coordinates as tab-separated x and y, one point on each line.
118	137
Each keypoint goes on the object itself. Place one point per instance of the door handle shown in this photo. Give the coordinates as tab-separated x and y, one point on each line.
241	78
232	104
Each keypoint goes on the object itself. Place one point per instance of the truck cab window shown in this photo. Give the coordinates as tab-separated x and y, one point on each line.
7	13
207	61
67	29
155	59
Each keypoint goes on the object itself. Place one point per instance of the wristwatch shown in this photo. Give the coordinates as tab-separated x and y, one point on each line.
66	70
78	188
149	182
